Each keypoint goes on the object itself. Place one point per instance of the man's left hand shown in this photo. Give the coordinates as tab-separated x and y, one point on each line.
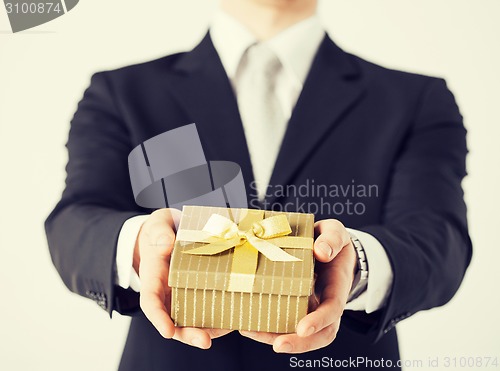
335	272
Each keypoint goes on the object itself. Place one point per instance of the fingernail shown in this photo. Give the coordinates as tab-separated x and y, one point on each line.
197	342
285	348
309	331
325	248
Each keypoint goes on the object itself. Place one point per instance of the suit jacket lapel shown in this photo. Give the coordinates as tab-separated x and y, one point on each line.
333	86
202	87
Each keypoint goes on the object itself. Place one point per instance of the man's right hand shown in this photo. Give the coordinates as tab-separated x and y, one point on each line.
152	261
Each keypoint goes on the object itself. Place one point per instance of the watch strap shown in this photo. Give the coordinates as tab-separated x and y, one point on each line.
360	281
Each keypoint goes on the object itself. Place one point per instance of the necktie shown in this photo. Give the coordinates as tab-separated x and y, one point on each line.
260	111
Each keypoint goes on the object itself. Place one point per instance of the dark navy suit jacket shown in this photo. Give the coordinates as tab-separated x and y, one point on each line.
354	122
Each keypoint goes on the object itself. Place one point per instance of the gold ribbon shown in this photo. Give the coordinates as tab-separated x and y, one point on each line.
251	236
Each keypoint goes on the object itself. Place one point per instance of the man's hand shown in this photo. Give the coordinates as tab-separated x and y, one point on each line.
152	260
335	272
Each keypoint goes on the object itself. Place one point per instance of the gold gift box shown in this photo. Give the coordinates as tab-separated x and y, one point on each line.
240	288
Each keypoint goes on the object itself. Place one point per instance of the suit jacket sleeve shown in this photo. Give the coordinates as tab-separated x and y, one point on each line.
424	227
83	228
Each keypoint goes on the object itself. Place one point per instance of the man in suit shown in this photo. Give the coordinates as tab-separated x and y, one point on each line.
269	90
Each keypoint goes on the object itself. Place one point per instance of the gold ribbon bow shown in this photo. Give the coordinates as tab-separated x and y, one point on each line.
251	236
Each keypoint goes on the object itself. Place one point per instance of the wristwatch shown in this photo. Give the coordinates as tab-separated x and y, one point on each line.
360	281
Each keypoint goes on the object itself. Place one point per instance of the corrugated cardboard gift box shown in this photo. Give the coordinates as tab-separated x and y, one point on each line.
241	269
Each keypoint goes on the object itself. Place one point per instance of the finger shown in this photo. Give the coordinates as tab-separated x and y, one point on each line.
155	244
336	285
175	217
216	333
169	215
153	295
332	238
328	312
291	343
155	311
261	337
193	336
157	234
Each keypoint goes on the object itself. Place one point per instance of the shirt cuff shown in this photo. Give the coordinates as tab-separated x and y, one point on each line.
380	275
126	275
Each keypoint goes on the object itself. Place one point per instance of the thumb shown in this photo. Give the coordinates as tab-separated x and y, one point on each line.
332	238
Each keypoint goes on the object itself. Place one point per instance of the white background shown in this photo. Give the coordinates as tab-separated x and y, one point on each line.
43	73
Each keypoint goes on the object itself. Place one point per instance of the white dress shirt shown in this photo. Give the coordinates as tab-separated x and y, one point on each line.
295	47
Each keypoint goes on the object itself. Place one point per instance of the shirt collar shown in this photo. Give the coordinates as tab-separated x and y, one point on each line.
231	39
295	47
